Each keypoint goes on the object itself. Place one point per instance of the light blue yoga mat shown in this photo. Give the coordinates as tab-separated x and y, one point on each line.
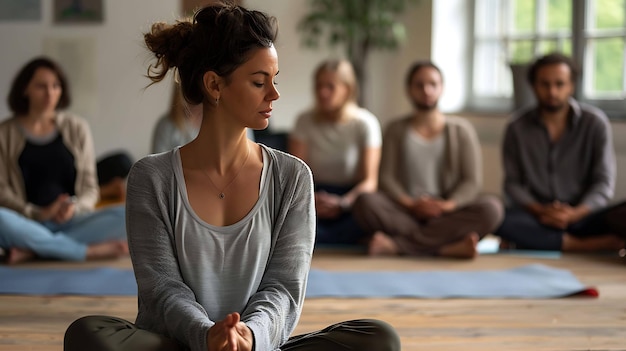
99	281
532	281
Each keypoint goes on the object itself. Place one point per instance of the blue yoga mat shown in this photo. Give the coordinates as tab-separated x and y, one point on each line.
99	281
532	281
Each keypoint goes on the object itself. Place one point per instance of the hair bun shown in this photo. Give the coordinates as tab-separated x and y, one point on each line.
168	42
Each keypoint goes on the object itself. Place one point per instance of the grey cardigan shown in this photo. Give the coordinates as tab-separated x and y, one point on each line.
461	176
168	306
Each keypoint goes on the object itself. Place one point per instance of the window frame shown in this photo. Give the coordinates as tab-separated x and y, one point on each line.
581	39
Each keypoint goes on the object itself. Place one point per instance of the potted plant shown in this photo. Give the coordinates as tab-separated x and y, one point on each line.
360	26
522	55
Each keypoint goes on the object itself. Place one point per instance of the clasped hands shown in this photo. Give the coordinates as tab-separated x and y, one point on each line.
328	205
230	334
59	211
427	207
557	214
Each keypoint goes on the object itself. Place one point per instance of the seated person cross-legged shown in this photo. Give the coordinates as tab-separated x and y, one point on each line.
430	178
340	142
48	185
559	168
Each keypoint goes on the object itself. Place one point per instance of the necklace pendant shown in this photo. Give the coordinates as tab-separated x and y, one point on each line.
221	196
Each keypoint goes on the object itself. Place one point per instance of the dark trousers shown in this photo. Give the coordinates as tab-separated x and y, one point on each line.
102	333
523	229
378	212
340	230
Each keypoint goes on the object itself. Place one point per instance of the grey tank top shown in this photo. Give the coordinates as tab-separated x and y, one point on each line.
424	160
210	257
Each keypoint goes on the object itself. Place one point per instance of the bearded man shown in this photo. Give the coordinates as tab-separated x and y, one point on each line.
429	200
559	167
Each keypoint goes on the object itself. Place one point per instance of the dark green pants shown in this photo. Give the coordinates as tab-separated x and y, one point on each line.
102	333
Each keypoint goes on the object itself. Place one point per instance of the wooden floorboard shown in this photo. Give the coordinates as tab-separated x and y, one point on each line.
37	323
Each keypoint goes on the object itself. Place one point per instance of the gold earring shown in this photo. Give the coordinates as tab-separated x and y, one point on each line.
217	101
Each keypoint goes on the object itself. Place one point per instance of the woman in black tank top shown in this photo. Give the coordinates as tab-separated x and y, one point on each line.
49	189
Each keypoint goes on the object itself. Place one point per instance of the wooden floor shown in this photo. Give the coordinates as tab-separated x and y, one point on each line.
38	323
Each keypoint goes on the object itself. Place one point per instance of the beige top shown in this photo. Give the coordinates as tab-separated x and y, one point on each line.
77	138
461	172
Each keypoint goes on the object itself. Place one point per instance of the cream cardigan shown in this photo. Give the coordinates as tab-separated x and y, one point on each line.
76	137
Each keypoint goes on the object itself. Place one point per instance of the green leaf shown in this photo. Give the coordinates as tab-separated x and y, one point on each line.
357	25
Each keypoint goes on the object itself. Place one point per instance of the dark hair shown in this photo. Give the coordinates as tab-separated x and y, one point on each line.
18	102
552	59
415	67
114	165
219	38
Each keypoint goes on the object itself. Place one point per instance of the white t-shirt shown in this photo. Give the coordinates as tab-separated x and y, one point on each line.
335	149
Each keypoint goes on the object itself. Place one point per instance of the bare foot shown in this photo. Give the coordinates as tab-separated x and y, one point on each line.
19	255
607	242
464	248
107	249
382	245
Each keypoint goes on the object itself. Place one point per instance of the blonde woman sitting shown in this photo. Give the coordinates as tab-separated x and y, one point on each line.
340	142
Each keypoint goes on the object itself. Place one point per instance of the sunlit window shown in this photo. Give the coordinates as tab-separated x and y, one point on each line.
509	32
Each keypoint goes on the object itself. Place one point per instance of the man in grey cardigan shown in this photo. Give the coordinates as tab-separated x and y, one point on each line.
430	179
559	169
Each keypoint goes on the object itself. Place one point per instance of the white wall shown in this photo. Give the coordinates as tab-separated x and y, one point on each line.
386	97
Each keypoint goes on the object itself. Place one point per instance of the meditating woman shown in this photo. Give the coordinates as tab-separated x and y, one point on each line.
341	143
221	230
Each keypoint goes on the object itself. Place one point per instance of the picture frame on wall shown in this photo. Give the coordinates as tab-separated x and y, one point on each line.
78	11
20	10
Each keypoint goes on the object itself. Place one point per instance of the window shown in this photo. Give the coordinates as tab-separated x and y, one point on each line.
509	32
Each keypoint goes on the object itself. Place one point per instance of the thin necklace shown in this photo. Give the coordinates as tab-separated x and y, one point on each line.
221	194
